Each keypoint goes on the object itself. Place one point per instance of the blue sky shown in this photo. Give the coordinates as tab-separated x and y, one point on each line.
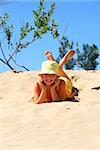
80	18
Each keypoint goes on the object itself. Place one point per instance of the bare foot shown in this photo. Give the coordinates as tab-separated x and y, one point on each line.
66	57
49	56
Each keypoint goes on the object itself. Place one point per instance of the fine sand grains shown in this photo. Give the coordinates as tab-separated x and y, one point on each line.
50	126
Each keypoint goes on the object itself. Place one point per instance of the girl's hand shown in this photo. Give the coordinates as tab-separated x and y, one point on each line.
42	85
55	84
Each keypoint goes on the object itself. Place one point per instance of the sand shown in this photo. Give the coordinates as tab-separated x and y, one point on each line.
50	126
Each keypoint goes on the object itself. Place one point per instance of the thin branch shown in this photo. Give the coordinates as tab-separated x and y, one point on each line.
64	31
60	41
3	52
11	56
19	65
6	63
3	61
21	46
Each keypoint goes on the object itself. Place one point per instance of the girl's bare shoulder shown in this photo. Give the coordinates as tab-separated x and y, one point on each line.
37	84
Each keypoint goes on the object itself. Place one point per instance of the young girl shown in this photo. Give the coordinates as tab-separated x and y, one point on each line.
54	85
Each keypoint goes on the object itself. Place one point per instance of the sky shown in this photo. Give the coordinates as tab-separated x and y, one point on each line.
80	18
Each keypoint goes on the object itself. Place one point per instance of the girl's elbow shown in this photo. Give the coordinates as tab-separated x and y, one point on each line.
37	102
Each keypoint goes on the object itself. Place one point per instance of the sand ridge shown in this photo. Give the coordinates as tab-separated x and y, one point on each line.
50	126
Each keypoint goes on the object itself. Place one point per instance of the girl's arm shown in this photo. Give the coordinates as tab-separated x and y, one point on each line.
39	95
54	93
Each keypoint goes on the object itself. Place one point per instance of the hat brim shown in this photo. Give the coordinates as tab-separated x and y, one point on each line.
49	72
49	67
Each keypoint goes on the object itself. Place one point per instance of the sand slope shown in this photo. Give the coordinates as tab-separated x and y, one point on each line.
52	126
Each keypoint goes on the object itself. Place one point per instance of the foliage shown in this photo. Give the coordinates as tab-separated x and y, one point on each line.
63	49
41	25
43	21
87	59
30	32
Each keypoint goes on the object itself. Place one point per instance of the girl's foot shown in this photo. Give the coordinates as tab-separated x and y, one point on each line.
49	56
66	57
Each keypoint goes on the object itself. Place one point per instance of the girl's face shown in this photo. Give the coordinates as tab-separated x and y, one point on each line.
48	79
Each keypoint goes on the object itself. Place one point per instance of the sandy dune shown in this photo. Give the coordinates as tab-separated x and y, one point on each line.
51	126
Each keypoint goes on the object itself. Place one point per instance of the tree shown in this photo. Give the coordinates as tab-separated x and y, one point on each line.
65	45
87	59
42	24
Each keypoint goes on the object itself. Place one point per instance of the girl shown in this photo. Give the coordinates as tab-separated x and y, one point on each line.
54	85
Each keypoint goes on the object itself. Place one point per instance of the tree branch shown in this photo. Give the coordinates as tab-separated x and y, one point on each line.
6	63
20	65
3	53
20	46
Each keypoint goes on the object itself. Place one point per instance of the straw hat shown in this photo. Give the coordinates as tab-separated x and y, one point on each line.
49	67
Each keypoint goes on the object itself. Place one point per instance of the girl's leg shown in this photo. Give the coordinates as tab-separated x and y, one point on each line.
62	62
66	57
